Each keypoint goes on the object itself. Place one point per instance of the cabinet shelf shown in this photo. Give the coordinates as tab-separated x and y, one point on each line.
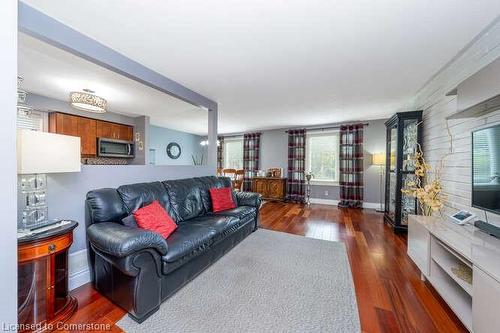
447	259
454	295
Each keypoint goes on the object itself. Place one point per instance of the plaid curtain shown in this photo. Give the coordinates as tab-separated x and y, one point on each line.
296	165
220	153
351	166
251	149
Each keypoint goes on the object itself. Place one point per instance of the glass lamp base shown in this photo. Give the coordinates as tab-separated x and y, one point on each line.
34	212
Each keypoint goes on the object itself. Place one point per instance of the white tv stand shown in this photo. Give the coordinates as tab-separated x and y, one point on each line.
438	247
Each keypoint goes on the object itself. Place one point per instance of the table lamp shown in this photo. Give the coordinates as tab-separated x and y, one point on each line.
378	159
39	153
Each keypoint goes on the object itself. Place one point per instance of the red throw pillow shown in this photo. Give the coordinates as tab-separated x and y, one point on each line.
155	218
222	199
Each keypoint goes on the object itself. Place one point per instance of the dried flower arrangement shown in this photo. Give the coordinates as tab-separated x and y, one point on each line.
426	189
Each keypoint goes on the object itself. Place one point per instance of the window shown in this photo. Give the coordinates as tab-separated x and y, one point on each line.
322	157
233	153
29	119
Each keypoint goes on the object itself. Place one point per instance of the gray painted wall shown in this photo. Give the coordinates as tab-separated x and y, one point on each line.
274	153
274	150
8	94
66	191
160	137
141	130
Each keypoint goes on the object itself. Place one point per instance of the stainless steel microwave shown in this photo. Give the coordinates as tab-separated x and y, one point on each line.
115	148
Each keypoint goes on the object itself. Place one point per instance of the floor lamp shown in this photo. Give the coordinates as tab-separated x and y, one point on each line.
378	159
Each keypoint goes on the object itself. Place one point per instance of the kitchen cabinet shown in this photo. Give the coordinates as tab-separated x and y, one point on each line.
271	188
88	130
62	123
87	134
116	131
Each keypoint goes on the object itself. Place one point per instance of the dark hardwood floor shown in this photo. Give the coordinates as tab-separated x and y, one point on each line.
390	295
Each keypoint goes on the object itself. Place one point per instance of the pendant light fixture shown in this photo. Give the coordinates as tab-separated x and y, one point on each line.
87	101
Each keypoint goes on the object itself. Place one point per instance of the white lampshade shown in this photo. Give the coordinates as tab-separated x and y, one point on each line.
378	159
42	152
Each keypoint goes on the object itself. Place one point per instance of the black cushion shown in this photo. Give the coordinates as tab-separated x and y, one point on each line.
188	239
219	228
105	205
239	212
223	225
218	223
135	196
129	221
185	198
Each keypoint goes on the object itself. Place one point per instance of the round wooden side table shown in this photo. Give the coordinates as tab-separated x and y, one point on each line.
43	293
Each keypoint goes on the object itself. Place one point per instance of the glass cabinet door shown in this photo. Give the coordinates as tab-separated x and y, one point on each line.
403	139
32	291
410	144
410	147
393	149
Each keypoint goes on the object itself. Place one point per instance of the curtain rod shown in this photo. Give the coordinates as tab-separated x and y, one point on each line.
328	127
307	128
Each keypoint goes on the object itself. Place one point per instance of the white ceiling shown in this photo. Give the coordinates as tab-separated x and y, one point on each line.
286	62
51	72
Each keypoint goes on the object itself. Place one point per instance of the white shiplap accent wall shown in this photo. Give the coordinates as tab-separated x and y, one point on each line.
456	172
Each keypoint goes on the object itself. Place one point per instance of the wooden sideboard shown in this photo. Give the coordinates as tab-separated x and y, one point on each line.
443	251
88	130
43	293
271	188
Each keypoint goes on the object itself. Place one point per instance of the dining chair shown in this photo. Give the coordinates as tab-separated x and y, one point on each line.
229	173
238	180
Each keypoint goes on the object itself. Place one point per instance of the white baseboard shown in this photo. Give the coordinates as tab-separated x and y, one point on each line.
372	205
79	272
324	201
369	205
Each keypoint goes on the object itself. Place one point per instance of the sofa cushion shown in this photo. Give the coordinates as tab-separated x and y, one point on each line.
222	224
222	199
153	217
188	240
219	228
209	182
218	223
135	196
185	198
239	212
129	221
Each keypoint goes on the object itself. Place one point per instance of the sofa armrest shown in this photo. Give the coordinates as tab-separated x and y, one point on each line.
120	241
248	199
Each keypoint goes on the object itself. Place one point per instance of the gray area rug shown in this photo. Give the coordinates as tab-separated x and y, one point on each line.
270	282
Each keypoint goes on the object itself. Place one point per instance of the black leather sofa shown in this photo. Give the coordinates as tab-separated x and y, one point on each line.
139	269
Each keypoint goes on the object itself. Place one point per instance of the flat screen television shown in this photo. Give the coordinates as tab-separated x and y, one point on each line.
486	169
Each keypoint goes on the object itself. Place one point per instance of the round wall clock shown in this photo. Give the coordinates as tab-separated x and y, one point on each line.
173	150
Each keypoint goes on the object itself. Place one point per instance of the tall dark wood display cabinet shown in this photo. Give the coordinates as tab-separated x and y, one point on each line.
404	134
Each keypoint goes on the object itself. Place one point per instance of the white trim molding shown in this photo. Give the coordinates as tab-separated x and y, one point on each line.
368	205
79	272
